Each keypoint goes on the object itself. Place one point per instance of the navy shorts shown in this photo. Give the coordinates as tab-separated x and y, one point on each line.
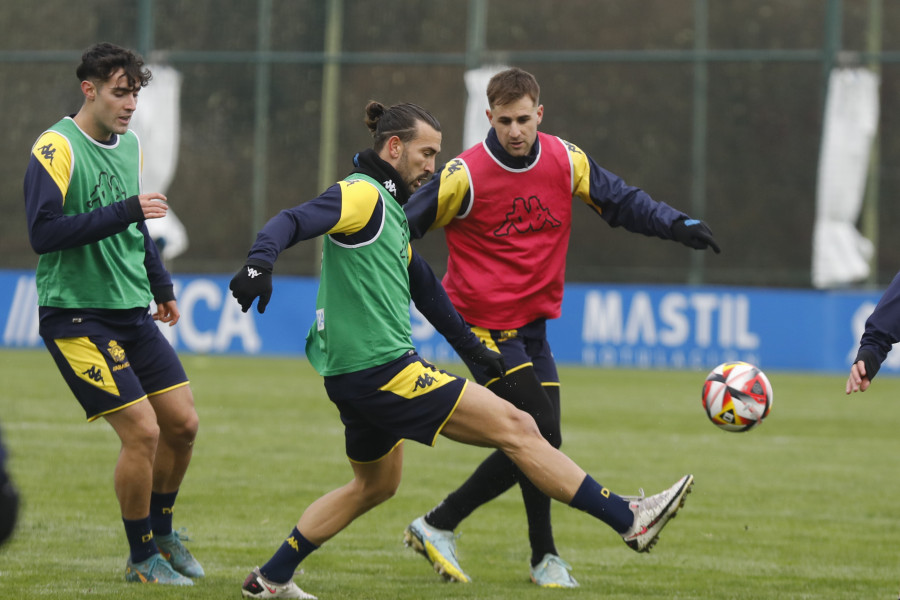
522	347
407	398
110	358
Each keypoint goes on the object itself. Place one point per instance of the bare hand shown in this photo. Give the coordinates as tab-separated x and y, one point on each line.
153	205
167	312
857	381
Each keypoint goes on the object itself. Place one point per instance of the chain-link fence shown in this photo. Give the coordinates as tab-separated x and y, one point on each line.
714	107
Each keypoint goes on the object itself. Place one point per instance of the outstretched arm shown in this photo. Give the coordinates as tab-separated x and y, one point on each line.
324	214
881	333
623	205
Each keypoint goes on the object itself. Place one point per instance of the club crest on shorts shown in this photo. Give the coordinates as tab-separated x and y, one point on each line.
116	351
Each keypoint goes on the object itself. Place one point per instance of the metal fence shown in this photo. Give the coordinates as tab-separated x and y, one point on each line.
713	106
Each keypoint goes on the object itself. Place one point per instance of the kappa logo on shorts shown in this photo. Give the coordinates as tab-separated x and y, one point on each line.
416	379
94	374
424	380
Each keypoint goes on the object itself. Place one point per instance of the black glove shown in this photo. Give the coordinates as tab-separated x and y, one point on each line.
252	281
694	234
872	364
493	363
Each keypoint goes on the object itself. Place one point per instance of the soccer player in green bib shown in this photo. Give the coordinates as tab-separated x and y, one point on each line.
97	274
361	343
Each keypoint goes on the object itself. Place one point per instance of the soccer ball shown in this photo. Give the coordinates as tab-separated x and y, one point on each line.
737	396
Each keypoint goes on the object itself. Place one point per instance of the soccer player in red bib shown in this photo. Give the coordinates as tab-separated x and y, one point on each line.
506	208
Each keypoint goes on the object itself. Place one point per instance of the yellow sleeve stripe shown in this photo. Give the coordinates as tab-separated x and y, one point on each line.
54	152
358	201
581	173
455	182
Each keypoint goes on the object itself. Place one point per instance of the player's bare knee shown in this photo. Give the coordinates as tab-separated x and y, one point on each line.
189	427
180	432
518	429
374	493
143	438
525	423
179	427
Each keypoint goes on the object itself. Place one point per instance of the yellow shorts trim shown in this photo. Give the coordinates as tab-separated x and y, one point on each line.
116	409
450	414
170	388
484	335
380	458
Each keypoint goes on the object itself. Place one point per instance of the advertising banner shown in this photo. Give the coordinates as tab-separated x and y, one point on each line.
639	326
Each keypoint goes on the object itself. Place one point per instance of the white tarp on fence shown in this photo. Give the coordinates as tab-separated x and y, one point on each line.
476	124
157	121
840	253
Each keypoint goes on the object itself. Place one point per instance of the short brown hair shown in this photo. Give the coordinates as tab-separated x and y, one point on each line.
510	85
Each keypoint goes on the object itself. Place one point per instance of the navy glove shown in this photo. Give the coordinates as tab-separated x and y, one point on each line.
254	280
694	234
872	364
493	363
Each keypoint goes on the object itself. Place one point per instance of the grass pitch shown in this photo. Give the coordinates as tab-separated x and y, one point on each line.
803	507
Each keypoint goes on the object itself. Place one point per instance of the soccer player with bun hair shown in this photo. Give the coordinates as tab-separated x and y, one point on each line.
506	208
361	343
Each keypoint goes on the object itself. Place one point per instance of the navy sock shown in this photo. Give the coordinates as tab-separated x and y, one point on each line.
599	502
140	539
495	475
285	561
161	507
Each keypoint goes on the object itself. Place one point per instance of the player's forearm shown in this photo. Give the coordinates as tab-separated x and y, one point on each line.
160	281
883	325
432	300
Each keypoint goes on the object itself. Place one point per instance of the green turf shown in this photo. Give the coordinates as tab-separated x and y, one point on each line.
803	507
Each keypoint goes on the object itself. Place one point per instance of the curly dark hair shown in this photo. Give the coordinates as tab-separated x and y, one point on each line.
100	61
